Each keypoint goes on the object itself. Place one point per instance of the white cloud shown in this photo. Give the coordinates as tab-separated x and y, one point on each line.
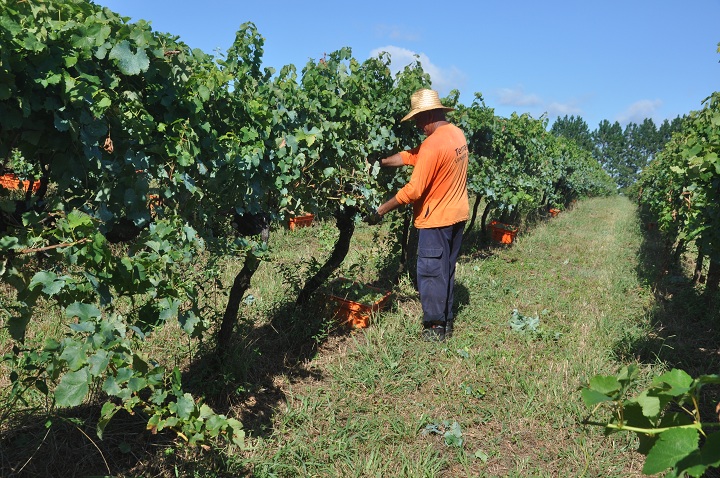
443	79
517	97
518	100
563	109
399	57
639	111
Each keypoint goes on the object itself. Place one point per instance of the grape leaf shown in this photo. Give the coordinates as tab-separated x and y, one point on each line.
82	311
593	397
672	446
73	388
128	62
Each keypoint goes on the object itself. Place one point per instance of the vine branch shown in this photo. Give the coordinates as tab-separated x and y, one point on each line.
54	246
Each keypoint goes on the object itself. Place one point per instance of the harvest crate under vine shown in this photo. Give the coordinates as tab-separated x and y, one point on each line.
11	181
503	233
300	221
355	303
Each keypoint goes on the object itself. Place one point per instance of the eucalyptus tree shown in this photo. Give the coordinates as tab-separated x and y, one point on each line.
643	143
575	129
667	128
609	149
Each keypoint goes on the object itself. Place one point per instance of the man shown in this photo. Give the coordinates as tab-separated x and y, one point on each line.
438	191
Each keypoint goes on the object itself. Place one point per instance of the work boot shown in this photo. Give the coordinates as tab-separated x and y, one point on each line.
449	328
433	332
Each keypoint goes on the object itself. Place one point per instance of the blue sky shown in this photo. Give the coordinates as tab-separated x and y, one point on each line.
616	60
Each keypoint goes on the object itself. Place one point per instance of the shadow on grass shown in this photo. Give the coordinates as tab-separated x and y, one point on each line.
462	300
251	379
684	321
477	243
248	382
68	445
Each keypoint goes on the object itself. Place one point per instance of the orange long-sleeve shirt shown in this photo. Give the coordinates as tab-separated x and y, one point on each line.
438	185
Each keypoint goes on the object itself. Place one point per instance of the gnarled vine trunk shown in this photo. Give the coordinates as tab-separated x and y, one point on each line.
486	212
476	206
237	291
408	248
677	253
697	274
713	278
251	224
346	225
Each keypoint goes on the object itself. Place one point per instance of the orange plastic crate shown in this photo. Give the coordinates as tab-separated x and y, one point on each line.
11	181
153	201
554	212
300	221
355	314
502	233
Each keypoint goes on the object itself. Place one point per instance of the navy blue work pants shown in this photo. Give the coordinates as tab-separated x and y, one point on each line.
438	250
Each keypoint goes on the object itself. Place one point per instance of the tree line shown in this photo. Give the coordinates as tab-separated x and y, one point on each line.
622	152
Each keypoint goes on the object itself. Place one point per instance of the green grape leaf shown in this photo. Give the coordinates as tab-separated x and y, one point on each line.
128	62
453	436
17	326
123	374
678	380
627	374
593	397
671	447
650	405
99	362
111	386
215	423
108	411
238	436
76	219
188	321
82	311
710	452
204	92
185	406
74	355
8	242
205	412
32	43
606	384
73	388
50	282
136	384
697	462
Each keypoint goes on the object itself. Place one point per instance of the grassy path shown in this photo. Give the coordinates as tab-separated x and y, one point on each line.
492	401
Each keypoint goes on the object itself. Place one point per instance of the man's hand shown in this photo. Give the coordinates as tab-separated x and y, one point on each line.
373	219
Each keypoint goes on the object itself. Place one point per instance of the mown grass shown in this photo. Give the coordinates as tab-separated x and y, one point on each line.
375	394
320	400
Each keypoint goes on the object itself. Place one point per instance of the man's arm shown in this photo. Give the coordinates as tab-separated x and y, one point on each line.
394	161
385	208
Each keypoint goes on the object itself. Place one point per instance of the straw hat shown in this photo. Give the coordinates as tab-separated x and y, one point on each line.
424	100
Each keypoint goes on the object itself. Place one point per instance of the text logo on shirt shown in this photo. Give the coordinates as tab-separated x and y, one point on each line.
461	152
